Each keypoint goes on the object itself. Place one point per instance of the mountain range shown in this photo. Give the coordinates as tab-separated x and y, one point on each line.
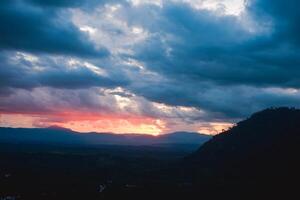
62	136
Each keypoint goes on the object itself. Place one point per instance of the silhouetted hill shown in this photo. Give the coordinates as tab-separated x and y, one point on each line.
258	153
265	130
58	135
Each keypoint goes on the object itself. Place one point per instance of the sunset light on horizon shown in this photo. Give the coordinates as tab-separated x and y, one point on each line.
84	123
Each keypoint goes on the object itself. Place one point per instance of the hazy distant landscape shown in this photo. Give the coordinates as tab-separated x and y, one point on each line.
62	136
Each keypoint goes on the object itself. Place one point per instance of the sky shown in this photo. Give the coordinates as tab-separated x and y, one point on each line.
146	66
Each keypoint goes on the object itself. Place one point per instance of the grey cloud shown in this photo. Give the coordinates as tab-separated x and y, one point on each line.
27	27
48	72
220	103
50	101
214	63
206	47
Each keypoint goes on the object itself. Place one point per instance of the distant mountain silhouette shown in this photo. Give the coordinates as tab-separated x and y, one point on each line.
258	153
183	138
59	135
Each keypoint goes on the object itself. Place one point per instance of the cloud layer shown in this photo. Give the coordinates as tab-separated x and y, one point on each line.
195	65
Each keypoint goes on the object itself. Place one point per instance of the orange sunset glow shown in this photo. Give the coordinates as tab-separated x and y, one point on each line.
88	122
83	122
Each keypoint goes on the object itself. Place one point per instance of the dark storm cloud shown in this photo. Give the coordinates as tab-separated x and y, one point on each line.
21	73
53	101
29	27
57	3
221	102
207	47
284	15
217	63
70	3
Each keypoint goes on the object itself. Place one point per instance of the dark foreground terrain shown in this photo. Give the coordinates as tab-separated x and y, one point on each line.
57	163
49	172
258	158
